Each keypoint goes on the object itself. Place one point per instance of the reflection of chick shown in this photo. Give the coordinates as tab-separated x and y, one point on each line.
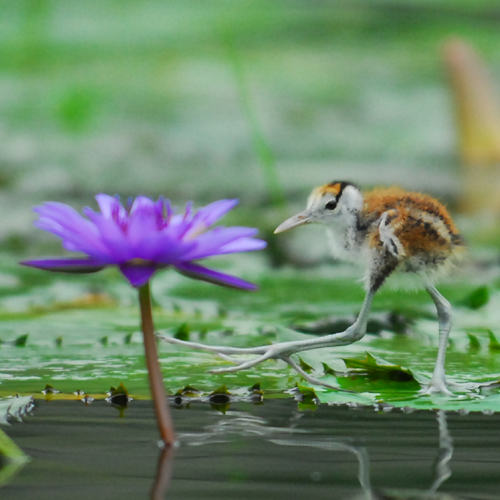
388	229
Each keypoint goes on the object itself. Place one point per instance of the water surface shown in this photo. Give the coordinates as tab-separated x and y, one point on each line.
271	450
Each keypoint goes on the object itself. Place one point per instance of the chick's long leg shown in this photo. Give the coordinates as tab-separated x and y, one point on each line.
283	350
443	307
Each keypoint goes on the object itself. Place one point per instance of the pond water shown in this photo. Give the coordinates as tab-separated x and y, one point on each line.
269	450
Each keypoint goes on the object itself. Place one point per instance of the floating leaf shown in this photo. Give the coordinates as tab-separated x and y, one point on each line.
474	344
220	396
188	391
255	389
478	298
307	368
382	407
373	369
50	390
121	389
182	332
307	392
307	398
21	340
119	398
221	390
494	345
328	370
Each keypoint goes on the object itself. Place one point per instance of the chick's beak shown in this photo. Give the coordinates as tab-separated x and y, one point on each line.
297	220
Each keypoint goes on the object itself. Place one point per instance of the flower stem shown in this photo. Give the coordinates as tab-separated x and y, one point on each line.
155	377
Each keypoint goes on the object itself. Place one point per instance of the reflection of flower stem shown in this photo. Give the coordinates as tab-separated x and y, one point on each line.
442	470
163	474
155	377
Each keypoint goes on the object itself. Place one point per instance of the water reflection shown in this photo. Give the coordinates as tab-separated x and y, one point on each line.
442	469
242	424
163	474
265	451
12	458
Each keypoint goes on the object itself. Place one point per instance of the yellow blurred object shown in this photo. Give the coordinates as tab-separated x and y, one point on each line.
478	120
88	300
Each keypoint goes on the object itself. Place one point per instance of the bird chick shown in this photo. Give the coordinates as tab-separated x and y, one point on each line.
389	229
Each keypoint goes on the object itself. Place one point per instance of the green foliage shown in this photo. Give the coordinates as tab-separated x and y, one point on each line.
118	391
327	370
21	340
474	344
306	367
49	390
221	390
188	391
255	389
307	398
75	109
478	298
379	369
307	393
182	332
494	345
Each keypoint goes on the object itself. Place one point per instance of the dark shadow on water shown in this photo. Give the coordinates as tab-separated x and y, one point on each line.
255	452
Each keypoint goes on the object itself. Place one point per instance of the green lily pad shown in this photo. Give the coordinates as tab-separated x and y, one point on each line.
377	369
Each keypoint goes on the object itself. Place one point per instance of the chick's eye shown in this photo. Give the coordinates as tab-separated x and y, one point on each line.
331	205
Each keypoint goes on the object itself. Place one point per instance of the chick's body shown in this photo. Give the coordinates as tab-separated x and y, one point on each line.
391	229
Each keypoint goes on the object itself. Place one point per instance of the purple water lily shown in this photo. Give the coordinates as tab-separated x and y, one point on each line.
144	238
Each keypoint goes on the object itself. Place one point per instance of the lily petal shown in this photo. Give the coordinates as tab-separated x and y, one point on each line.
202	273
65	265
209	243
208	215
243	245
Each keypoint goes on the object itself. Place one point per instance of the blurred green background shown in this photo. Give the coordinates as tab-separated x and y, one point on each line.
129	97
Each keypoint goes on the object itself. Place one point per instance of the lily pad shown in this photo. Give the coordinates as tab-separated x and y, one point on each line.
380	376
